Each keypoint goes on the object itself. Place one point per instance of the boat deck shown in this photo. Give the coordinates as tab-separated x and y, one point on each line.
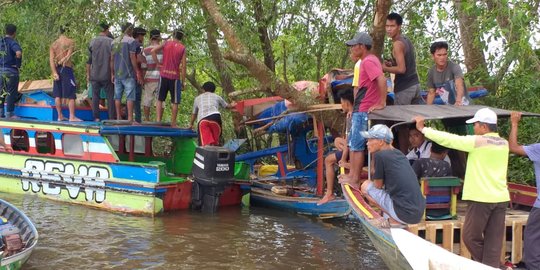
446	233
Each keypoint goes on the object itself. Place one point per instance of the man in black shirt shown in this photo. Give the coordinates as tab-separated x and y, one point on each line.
394	187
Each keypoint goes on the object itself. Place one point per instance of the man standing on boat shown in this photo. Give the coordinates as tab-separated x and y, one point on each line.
64	86
531	246
10	63
172	72
394	187
138	35
151	79
370	94
206	111
124	71
484	186
98	70
445	77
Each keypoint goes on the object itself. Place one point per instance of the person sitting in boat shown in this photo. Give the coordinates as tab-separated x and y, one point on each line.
394	188
531	248
420	147
339	157
445	78
206	111
435	165
3	144
484	185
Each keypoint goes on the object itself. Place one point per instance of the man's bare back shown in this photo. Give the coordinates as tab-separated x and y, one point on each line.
62	49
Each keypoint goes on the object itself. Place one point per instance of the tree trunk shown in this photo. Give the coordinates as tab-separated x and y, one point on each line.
262	28
258	70
472	46
382	8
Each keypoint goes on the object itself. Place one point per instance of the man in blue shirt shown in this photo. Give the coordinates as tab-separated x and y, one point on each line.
531	248
10	63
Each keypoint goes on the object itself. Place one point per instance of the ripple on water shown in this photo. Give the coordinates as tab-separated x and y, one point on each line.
73	236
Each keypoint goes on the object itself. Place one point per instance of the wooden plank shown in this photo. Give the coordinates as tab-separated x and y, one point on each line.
413	229
448	237
517	241
463	251
431	233
503	248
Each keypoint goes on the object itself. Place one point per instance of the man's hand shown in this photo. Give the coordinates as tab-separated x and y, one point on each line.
515	117
349	115
232	104
459	102
419	122
55	76
376	107
8	148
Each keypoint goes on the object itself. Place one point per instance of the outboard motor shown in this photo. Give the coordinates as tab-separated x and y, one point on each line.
213	168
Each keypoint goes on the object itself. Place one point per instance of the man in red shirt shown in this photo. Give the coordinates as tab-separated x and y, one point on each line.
172	73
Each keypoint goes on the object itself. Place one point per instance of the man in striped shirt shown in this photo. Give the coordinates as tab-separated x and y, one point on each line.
151	78
206	111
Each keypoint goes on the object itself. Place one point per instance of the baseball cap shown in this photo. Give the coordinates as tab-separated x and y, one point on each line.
360	38
379	131
484	115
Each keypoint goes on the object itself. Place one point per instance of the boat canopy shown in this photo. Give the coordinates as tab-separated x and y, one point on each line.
405	113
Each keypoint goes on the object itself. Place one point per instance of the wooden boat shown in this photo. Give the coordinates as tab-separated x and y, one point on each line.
114	166
303	187
28	233
430	244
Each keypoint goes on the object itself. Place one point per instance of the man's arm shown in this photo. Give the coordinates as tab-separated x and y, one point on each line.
513	144
193	118
154	52
431	96
138	75
460	91
52	64
462	143
183	70
381	84
399	54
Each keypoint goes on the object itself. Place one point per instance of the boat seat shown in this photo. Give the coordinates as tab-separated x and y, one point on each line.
441	196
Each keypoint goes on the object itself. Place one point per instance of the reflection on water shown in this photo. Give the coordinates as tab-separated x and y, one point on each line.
73	236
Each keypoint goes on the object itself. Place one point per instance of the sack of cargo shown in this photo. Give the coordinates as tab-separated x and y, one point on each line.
13	244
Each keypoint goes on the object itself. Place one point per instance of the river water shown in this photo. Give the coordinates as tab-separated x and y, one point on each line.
77	237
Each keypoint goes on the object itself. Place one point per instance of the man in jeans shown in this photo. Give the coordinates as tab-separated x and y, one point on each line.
369	95
124	70
10	63
484	185
98	71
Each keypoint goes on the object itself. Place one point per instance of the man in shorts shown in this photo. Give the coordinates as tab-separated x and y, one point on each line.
369	95
64	86
394	188
151	78
172	73
124	70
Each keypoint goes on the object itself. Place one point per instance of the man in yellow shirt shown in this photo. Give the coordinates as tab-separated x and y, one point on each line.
485	183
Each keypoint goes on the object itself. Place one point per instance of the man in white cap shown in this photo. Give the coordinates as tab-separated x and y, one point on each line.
485	183
369	95
394	187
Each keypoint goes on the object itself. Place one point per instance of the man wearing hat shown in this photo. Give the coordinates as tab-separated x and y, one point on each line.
151	78
484	184
369	95
394	187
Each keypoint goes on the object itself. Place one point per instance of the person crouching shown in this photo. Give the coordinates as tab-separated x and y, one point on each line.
394	187
206	111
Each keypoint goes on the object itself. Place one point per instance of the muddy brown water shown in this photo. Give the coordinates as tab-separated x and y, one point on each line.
78	237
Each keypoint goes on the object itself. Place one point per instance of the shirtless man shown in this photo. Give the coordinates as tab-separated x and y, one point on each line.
64	85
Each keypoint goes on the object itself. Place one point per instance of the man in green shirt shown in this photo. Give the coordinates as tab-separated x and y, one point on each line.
484	185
